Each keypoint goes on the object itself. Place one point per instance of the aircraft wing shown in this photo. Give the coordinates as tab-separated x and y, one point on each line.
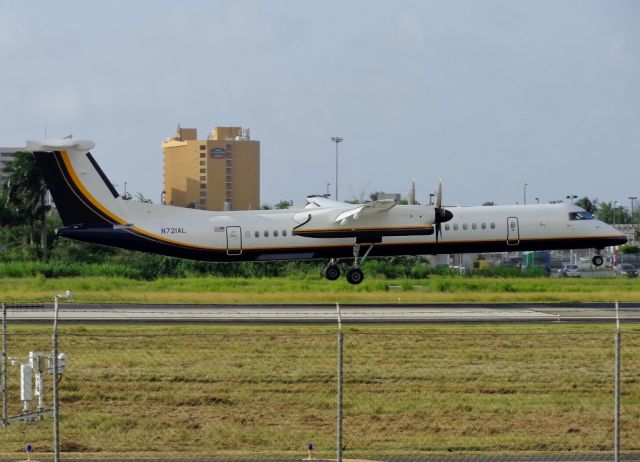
324	202
370	208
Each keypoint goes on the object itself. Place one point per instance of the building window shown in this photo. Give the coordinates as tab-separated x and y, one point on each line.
203	178
203	154
203	147
203	202
203	193
203	162
203	170
203	186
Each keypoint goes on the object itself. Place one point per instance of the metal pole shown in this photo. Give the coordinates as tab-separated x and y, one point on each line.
56	413
4	366
336	140
617	389
337	173
340	383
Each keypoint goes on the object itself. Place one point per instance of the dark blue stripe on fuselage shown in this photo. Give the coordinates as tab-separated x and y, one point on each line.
129	239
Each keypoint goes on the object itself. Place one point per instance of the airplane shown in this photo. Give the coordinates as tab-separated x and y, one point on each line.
93	211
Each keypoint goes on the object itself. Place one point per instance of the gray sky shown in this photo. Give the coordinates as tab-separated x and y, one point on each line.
487	95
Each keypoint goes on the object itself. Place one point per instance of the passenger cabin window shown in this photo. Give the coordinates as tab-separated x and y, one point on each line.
446	227
275	233
581	216
284	232
474	226
464	226
493	225
455	226
257	234
483	226
266	234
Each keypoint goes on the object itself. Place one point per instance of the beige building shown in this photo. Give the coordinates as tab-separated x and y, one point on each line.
221	172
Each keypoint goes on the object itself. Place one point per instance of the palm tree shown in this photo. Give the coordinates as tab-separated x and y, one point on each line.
589	205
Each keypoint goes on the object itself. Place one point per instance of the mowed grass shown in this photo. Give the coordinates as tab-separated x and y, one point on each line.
318	290
225	392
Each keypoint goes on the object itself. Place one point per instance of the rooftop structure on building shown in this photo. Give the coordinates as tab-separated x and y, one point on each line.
221	172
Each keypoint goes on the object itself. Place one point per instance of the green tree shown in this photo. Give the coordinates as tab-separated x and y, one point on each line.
608	214
589	205
283	205
25	196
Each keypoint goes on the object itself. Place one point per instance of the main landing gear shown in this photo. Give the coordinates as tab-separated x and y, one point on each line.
354	273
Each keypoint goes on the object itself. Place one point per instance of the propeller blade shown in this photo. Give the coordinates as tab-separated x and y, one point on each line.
438	193
441	214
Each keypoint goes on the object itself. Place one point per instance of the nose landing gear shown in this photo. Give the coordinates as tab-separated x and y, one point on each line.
597	260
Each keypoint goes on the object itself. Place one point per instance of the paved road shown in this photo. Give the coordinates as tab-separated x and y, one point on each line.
392	313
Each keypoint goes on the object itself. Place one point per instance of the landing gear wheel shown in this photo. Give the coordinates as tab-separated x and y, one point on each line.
331	272
597	260
355	276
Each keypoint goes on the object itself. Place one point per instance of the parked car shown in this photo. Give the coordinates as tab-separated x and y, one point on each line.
569	270
625	269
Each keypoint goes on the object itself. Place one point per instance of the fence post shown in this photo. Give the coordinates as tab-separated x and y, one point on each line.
4	366
56	414
340	382
617	388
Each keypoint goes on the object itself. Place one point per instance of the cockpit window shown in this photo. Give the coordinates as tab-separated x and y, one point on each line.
581	216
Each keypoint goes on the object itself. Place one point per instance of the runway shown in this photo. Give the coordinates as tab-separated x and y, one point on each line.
327	314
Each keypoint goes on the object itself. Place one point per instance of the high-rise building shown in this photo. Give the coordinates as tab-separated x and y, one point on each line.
219	173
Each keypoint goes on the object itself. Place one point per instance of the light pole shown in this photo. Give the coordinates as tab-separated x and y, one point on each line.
572	197
337	140
614	212
632	198
524	193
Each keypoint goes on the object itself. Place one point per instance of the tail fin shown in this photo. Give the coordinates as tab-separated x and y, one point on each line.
81	191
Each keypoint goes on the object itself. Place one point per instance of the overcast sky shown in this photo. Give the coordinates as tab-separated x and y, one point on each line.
487	95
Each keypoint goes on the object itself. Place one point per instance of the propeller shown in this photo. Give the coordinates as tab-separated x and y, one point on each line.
442	214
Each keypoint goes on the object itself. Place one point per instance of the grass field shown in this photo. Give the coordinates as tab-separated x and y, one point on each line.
318	290
263	392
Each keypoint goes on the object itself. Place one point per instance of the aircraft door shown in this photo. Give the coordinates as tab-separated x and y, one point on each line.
513	231
234	240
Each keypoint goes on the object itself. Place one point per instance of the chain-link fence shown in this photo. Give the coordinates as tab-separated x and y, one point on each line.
267	393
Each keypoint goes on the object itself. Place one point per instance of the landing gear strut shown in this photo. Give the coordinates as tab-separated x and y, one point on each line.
354	274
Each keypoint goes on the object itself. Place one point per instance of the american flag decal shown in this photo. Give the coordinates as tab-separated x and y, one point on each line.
219	229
